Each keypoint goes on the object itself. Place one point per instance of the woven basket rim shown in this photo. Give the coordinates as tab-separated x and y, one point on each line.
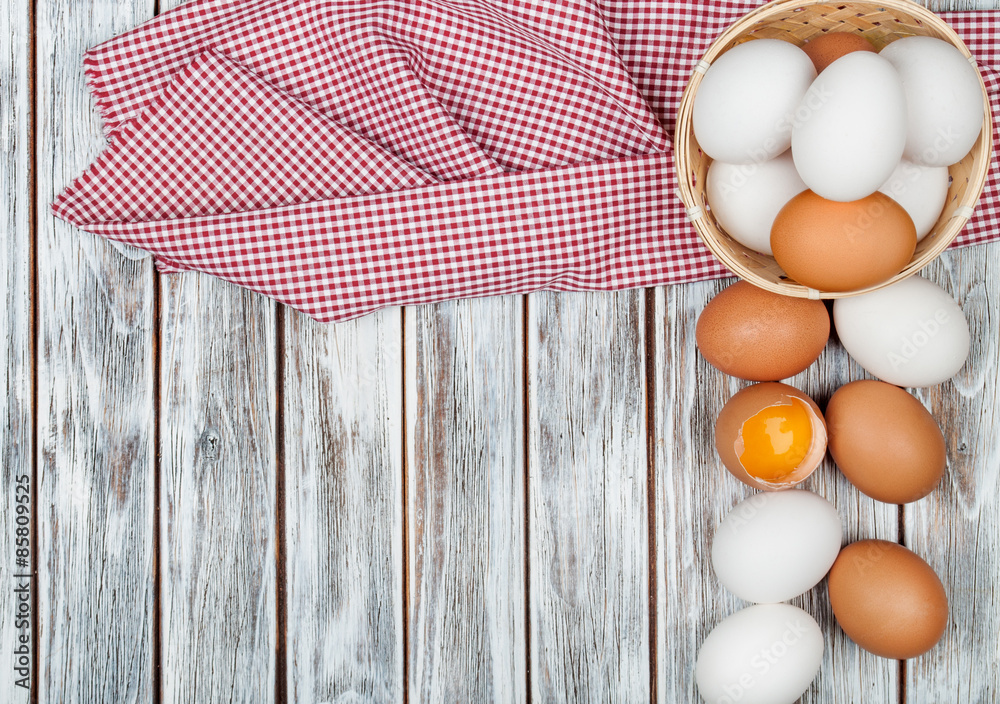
689	192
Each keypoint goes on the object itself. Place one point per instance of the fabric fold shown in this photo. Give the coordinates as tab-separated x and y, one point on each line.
341	157
583	227
409	75
220	140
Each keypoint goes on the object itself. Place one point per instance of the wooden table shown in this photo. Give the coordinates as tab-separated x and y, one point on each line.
502	500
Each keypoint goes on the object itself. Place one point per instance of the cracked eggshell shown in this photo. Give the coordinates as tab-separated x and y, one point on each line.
747	403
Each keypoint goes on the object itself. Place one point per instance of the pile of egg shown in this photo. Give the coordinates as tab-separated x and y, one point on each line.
771	436
833	158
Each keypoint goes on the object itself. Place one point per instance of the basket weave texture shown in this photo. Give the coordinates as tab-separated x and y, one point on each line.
798	22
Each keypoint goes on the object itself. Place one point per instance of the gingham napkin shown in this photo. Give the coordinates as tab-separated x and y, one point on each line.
345	156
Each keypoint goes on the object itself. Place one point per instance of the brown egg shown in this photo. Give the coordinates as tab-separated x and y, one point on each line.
827	48
757	335
832	246
770	436
887	600
884	441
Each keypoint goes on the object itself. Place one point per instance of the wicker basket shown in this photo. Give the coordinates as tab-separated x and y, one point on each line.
797	22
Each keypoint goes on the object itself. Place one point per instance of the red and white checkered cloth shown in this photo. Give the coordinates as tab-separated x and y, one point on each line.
349	155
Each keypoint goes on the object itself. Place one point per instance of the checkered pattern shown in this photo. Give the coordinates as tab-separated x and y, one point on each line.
346	156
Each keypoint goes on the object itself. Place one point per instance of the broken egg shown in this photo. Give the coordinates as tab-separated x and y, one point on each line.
771	436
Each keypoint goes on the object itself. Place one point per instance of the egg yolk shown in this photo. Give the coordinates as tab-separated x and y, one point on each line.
776	440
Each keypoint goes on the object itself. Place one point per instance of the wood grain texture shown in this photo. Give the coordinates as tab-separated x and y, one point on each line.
525	575
217	496
95	398
587	464
692	495
695	493
15	341
465	473
344	509
848	673
955	527
218	405
942	5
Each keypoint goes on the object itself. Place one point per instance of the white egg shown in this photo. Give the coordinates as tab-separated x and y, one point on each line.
743	106
921	190
776	545
745	198
850	127
764	654
911	333
943	96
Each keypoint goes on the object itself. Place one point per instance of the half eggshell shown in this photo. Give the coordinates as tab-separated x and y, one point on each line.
748	403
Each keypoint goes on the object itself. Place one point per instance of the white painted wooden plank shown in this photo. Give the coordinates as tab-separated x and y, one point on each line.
16	648
344	509
95	398
692	496
694	493
942	5
465	473
587	465
218	475
217	493
848	673
955	527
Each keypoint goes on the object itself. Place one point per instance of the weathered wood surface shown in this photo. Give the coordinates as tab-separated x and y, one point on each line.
16	437
465	509
587	505
957	528
218	468
343	422
217	496
95	422
694	494
377	511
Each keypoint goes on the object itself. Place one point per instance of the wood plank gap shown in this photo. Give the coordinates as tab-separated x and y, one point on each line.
901	539
157	655
280	550
35	330
157	474
901	528
650	321
902	682
405	519
527	502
